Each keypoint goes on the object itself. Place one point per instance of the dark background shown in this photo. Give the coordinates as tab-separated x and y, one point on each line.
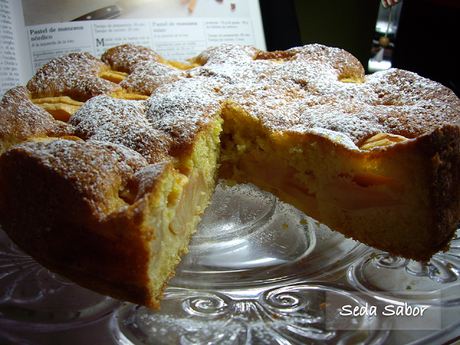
428	40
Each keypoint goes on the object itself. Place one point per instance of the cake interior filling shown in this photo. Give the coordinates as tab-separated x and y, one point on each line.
346	192
248	155
192	185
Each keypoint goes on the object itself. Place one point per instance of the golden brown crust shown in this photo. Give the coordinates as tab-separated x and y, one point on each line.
122	122
75	75
148	76
183	110
21	120
348	67
127	57
433	216
145	69
61	108
83	228
443	149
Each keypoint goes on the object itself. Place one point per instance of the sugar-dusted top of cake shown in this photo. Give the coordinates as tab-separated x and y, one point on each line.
310	89
322	89
164	125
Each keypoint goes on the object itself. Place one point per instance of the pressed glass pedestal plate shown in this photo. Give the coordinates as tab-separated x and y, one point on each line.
258	272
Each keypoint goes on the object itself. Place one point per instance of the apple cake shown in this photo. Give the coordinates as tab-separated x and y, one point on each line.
107	164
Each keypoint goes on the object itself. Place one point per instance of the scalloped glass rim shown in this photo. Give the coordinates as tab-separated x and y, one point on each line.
34	296
277	315
394	279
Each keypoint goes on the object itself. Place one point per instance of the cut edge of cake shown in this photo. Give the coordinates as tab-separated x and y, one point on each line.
373	196
127	233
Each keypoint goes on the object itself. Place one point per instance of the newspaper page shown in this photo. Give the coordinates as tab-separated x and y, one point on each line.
175	29
12	46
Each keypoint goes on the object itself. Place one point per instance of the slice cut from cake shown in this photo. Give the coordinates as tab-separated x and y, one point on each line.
111	212
103	216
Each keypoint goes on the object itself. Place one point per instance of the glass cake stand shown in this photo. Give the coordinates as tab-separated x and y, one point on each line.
258	271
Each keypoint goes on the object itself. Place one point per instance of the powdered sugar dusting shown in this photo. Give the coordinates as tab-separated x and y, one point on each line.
22	119
75	75
181	109
301	89
101	169
127	57
148	76
122	122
